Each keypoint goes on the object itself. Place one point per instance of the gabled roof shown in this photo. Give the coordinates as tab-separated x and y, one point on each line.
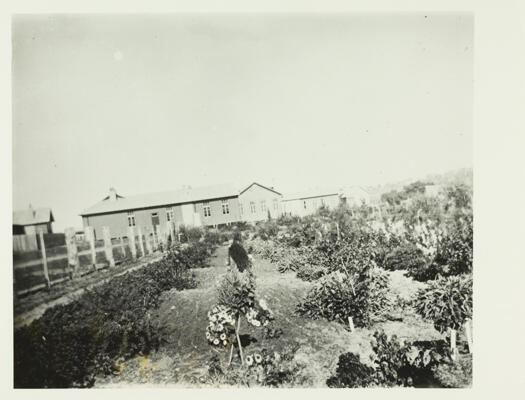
33	216
160	199
309	194
258	184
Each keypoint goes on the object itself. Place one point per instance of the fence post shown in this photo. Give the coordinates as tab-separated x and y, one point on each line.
90	233
44	259
141	243
72	251
108	247
131	242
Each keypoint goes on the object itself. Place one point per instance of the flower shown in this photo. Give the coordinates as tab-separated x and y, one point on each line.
257	358
208	335
256	323
263	304
225	342
249	360
276	356
219	327
213	318
223	336
216	342
266	323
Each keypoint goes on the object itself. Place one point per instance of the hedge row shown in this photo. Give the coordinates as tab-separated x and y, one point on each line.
71	344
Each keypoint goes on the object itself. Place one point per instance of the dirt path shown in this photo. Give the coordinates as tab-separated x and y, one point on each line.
103	276
182	361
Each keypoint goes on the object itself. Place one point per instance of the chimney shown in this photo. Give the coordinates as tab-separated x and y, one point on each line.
112	194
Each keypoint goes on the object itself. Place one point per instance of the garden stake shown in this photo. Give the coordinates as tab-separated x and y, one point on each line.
239	339
468	333
453	344
351	324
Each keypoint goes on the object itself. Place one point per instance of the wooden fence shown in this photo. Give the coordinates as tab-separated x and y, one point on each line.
41	269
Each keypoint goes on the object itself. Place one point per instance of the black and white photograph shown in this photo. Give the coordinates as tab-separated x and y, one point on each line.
243	200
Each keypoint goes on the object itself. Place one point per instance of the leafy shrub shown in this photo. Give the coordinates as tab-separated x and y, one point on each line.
216	238
338	296
455	250
407	257
455	374
190	234
309	272
447	302
395	364
236	291
267	230
195	256
70	344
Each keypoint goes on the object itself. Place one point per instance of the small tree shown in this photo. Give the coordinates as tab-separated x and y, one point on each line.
236	298
447	302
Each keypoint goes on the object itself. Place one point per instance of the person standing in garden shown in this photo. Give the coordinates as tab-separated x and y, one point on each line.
239	254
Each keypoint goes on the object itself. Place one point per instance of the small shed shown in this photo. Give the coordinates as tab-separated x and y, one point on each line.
32	221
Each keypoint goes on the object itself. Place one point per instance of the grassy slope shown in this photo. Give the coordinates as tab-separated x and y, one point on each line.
182	360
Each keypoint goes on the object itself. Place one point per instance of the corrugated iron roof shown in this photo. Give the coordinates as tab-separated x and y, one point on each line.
323	192
33	216
186	195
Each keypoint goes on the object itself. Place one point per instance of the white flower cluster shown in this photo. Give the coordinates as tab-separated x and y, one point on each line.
259	316
258	359
221	327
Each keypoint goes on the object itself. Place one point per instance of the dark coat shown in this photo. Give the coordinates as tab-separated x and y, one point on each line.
239	256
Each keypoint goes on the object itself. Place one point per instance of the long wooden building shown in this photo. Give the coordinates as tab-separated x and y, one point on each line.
201	206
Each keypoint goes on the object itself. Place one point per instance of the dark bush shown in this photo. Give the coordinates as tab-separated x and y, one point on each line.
407	257
395	364
351	373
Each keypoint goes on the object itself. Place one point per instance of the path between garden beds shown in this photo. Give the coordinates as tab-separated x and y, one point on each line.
83	284
182	361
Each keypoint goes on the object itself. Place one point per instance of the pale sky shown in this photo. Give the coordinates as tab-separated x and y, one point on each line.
151	103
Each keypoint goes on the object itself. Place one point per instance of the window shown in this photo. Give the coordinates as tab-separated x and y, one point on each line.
169	214
323	203
131	218
252	206
275	204
304	203
240	208
207	209
225	207
263	205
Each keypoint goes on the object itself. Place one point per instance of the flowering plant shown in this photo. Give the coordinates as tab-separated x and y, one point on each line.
236	296
259	314
221	327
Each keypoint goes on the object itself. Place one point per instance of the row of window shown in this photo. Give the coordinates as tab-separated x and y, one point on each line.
253	207
314	202
207	210
170	213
